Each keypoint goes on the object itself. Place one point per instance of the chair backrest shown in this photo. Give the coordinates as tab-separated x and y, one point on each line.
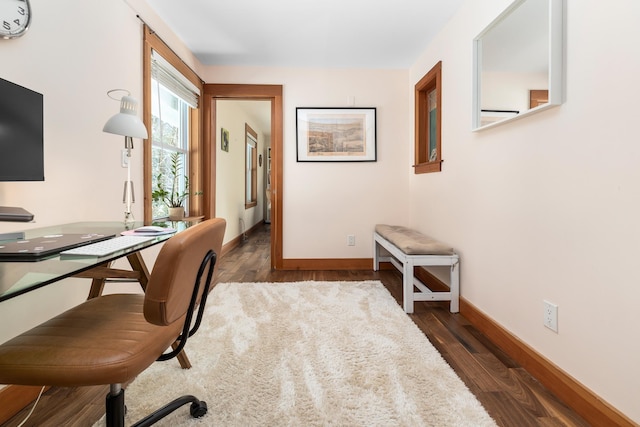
170	288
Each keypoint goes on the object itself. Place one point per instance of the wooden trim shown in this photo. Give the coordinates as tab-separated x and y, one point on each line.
328	264
272	93
242	91
538	97
147	167
430	281
429	82
235	242
574	394
210	155
167	53
14	398
277	192
198	162
231	245
428	167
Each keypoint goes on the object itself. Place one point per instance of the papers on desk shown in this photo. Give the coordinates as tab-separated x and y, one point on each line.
149	230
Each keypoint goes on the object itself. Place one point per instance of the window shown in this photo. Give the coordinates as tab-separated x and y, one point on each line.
173	116
428	99
169	144
251	168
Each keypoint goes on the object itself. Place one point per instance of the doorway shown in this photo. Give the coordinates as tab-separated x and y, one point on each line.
273	94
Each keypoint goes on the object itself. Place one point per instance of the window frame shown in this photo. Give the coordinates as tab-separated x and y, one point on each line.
196	159
427	84
249	132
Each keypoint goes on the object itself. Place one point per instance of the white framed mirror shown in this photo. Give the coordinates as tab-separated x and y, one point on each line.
518	63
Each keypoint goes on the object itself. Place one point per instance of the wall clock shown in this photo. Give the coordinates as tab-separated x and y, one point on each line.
15	16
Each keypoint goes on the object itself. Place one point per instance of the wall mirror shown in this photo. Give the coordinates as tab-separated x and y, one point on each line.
518	62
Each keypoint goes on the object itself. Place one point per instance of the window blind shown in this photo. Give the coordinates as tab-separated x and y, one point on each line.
173	80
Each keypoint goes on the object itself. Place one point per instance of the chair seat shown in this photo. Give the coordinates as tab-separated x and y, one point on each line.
84	346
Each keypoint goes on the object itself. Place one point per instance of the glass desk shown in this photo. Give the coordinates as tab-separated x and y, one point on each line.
20	277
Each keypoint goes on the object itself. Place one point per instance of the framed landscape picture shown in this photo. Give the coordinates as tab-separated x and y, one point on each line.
336	134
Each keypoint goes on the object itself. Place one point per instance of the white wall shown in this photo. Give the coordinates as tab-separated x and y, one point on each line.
230	166
324	202
74	73
547	207
73	59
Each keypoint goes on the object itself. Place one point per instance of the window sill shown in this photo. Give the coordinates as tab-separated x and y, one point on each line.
428	167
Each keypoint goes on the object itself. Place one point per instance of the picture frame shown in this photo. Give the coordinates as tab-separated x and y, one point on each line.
325	134
224	139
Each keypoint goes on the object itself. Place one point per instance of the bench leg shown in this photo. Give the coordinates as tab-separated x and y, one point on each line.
376	255
407	286
455	288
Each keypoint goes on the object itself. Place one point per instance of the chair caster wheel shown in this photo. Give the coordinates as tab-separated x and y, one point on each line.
198	409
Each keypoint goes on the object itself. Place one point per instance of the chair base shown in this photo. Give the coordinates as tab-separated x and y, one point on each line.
116	410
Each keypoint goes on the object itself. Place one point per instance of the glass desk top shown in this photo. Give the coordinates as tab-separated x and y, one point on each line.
19	277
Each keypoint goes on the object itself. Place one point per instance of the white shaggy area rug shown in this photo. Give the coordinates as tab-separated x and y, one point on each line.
308	354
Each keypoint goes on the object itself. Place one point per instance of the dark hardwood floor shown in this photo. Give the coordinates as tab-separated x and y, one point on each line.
510	395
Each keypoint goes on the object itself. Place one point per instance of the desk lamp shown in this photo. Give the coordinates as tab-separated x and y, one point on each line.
127	124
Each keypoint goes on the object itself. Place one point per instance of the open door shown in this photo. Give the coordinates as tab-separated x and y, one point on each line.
272	93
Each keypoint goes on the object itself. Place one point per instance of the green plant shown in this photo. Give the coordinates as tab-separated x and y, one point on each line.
174	196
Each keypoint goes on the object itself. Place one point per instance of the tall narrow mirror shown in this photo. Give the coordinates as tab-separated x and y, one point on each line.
518	63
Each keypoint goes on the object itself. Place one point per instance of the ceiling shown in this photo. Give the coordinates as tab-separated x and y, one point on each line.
387	34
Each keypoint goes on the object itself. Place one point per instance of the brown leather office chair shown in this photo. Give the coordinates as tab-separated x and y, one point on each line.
113	338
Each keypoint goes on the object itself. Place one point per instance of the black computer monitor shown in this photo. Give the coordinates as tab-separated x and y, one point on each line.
21	140
21	133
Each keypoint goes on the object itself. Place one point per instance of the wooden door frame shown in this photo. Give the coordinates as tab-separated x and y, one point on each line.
273	94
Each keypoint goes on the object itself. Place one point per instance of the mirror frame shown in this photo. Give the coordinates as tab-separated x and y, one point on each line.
556	63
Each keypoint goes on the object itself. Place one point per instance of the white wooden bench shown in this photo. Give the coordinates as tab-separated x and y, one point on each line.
405	249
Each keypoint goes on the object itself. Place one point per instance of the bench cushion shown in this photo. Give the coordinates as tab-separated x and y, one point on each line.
412	242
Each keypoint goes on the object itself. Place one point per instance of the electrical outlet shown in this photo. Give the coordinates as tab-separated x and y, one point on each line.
351	240
551	316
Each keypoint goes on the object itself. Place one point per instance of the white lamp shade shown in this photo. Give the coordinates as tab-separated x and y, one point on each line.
126	122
